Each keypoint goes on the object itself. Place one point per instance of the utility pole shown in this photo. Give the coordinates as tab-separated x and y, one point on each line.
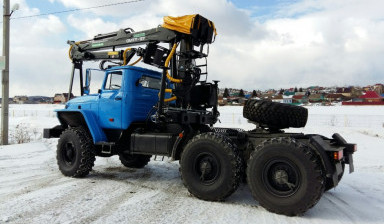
5	75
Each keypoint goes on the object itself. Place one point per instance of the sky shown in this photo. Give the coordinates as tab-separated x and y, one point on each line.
261	44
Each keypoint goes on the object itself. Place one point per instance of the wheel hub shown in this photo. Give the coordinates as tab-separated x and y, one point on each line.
281	177
69	153
207	168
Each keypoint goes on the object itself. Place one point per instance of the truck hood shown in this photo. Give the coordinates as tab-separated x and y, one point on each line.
84	102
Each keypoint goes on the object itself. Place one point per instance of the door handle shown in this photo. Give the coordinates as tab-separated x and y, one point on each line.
118	98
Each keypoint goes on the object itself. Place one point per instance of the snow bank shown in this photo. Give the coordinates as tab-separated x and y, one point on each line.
32	190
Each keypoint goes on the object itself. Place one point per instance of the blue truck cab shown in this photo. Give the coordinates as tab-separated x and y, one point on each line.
127	95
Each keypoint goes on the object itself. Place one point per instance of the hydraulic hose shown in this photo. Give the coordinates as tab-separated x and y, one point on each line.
170	78
125	56
137	61
170	99
125	62
69	51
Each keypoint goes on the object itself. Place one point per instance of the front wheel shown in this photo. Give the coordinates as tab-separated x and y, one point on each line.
284	176
211	167
75	152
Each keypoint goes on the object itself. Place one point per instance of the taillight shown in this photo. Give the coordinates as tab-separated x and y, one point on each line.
354	147
338	155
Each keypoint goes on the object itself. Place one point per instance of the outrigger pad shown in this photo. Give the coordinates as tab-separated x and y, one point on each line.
201	29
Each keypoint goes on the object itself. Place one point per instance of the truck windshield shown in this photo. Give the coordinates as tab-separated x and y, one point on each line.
96	79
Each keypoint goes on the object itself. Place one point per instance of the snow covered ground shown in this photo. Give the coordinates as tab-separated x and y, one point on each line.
32	189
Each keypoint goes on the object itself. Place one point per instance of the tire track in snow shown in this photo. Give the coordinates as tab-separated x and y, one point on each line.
31	185
114	203
172	197
145	188
340	209
41	200
350	211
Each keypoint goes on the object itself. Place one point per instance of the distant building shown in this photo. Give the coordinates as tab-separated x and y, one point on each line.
371	96
61	97
222	101
288	93
277	98
299	99
20	99
378	88
334	97
316	98
287	99
345	91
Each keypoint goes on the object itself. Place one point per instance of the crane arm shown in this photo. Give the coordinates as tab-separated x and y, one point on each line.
95	49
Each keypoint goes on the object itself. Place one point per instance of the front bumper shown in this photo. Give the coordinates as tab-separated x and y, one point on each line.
54	132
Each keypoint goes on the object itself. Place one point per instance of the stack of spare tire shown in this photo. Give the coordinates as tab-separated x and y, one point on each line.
275	115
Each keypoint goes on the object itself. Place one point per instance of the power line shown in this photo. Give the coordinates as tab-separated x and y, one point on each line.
80	9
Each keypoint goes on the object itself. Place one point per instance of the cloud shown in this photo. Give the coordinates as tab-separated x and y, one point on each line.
91	26
303	43
37	53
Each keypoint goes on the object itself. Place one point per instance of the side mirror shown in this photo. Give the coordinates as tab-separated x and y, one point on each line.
87	82
99	91
86	91
138	82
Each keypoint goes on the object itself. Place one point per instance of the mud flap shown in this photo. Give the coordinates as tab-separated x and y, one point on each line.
350	162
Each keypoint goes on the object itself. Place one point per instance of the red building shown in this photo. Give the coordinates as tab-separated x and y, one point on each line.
372	96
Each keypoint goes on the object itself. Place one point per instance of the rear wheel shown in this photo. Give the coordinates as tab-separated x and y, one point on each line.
75	152
211	167
284	176
134	161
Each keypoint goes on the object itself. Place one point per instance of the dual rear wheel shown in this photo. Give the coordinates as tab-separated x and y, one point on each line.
211	166
283	175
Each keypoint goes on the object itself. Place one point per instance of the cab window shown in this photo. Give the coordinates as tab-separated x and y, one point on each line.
114	80
149	82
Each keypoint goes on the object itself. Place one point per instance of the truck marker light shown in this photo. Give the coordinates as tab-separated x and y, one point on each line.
181	135
338	155
113	53
111	119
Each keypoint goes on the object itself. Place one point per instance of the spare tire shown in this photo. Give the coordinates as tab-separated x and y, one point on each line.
275	115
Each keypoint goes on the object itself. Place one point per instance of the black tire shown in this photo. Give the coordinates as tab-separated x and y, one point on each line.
328	182
134	161
211	167
275	115
75	152
285	177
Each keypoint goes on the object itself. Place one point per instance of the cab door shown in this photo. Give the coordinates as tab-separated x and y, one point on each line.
110	100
